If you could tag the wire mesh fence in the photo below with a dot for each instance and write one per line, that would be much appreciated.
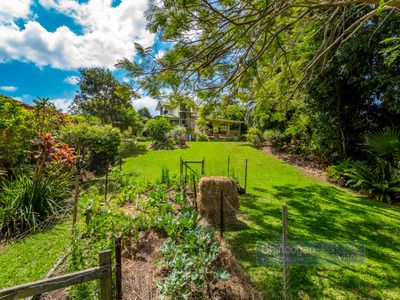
(53, 220)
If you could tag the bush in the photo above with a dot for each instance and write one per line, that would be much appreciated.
(275, 138)
(15, 135)
(379, 181)
(376, 179)
(337, 173)
(178, 131)
(255, 136)
(200, 130)
(380, 178)
(202, 137)
(29, 200)
(97, 145)
(158, 130)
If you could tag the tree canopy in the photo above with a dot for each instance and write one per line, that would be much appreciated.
(101, 95)
(220, 46)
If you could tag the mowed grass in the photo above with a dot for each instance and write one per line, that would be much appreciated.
(34, 256)
(318, 211)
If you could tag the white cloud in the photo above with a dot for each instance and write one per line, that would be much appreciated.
(148, 102)
(8, 88)
(62, 104)
(109, 34)
(72, 80)
(14, 9)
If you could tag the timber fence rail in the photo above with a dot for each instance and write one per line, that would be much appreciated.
(103, 272)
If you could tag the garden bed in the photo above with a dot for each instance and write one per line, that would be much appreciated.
(142, 271)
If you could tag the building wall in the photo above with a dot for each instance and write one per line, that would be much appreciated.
(174, 111)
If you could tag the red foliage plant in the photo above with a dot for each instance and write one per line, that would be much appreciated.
(182, 140)
(50, 150)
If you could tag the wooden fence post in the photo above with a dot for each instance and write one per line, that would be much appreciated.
(245, 178)
(181, 166)
(194, 193)
(106, 185)
(202, 166)
(286, 258)
(221, 225)
(118, 269)
(185, 174)
(103, 272)
(106, 282)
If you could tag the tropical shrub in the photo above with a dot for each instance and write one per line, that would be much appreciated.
(385, 144)
(178, 132)
(15, 135)
(379, 176)
(255, 136)
(336, 173)
(380, 180)
(158, 130)
(50, 151)
(96, 145)
(30, 199)
(275, 138)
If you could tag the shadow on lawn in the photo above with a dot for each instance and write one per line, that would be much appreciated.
(321, 213)
(138, 150)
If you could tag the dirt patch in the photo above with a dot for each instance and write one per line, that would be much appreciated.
(239, 285)
(55, 295)
(309, 168)
(140, 273)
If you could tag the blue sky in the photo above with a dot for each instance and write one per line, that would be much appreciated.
(43, 43)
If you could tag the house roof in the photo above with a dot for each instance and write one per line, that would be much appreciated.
(160, 104)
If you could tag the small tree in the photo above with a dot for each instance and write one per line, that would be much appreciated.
(96, 145)
(158, 130)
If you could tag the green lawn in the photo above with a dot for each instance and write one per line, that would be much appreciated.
(31, 258)
(317, 211)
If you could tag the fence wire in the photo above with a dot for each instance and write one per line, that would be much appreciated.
(46, 224)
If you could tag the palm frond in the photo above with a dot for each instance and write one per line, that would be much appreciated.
(384, 142)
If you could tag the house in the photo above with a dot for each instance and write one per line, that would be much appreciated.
(181, 115)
